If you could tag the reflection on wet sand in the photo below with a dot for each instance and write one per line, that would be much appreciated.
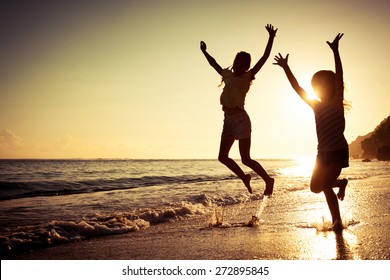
(346, 244)
(331, 245)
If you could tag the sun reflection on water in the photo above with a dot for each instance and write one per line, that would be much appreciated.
(303, 167)
(326, 244)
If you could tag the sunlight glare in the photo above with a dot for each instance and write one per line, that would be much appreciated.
(309, 91)
(311, 95)
(302, 168)
(331, 246)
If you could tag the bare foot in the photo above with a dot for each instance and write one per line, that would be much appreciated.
(342, 184)
(247, 182)
(269, 187)
(253, 222)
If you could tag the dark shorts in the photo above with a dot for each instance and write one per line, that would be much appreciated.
(236, 126)
(340, 156)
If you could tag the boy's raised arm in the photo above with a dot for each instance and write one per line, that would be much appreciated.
(209, 58)
(272, 33)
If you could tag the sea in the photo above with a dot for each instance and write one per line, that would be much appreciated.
(53, 202)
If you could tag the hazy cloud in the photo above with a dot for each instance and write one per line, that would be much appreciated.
(65, 141)
(9, 140)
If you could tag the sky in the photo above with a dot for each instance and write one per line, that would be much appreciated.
(127, 79)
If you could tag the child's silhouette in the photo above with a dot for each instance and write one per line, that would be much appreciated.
(237, 125)
(330, 124)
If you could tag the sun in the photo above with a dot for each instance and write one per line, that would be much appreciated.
(311, 95)
(309, 91)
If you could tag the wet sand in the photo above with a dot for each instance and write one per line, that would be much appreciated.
(280, 236)
(292, 228)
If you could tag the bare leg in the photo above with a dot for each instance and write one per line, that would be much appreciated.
(342, 185)
(324, 178)
(223, 157)
(318, 177)
(333, 172)
(245, 145)
(334, 208)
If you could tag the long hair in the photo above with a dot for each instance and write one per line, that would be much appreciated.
(245, 57)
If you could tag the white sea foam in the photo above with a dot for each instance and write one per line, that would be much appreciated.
(139, 194)
(60, 232)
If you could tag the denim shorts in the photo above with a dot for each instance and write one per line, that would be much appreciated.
(236, 126)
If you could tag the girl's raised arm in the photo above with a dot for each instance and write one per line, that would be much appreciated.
(209, 58)
(339, 83)
(283, 62)
(272, 33)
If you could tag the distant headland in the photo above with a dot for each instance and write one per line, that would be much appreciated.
(374, 145)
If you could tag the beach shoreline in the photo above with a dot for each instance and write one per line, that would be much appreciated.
(168, 216)
(194, 239)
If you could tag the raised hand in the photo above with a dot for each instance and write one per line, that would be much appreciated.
(335, 44)
(203, 46)
(282, 62)
(271, 30)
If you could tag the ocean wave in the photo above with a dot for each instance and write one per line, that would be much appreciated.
(22, 189)
(61, 232)
(223, 199)
(57, 232)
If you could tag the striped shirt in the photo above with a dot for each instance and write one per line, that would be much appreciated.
(330, 126)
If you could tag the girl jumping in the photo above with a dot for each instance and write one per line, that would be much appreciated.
(332, 147)
(237, 125)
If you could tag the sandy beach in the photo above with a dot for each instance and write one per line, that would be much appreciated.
(199, 215)
(289, 235)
